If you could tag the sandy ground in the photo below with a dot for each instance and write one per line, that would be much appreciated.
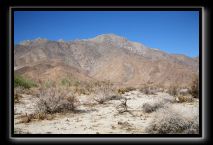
(100, 118)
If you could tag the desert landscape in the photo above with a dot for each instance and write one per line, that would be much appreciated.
(103, 85)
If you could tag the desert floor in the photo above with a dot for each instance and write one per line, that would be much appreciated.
(91, 118)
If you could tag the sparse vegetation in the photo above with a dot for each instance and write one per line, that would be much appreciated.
(173, 90)
(127, 89)
(17, 97)
(181, 99)
(168, 122)
(35, 116)
(17, 94)
(122, 107)
(66, 82)
(148, 90)
(103, 93)
(20, 81)
(194, 90)
(56, 100)
(149, 108)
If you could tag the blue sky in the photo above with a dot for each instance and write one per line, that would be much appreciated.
(171, 31)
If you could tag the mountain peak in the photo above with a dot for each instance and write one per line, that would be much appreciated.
(109, 37)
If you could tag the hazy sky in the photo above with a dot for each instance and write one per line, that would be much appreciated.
(171, 31)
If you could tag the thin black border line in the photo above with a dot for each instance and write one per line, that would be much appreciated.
(107, 135)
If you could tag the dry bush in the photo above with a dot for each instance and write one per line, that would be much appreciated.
(17, 94)
(80, 91)
(56, 100)
(121, 91)
(35, 116)
(122, 107)
(194, 127)
(26, 118)
(148, 108)
(194, 90)
(90, 87)
(148, 90)
(181, 99)
(168, 122)
(17, 98)
(173, 90)
(103, 93)
(124, 90)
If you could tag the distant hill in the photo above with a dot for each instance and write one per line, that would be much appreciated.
(105, 57)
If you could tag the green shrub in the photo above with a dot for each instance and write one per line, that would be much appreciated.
(65, 82)
(20, 81)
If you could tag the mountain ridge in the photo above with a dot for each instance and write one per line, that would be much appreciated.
(111, 57)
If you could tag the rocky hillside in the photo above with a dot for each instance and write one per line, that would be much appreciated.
(105, 57)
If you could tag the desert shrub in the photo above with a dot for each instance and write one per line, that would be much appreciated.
(26, 118)
(56, 100)
(148, 90)
(168, 122)
(35, 116)
(65, 82)
(128, 89)
(194, 90)
(173, 90)
(121, 91)
(122, 107)
(124, 90)
(17, 93)
(20, 81)
(148, 108)
(103, 93)
(194, 127)
(48, 84)
(79, 90)
(17, 98)
(89, 87)
(181, 99)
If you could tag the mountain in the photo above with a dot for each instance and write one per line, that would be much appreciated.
(107, 57)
